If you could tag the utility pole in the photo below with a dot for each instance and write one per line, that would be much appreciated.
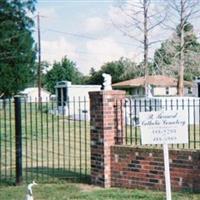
(39, 60)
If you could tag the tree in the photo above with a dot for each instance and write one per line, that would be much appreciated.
(17, 46)
(167, 57)
(64, 70)
(142, 18)
(44, 66)
(181, 12)
(120, 70)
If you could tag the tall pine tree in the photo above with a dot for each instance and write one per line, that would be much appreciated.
(17, 47)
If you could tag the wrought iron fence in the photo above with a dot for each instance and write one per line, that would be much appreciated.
(44, 141)
(132, 107)
(7, 141)
(50, 141)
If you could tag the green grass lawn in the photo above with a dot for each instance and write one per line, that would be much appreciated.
(86, 192)
(54, 146)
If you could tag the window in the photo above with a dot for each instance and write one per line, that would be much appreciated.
(59, 99)
(189, 90)
(167, 91)
(136, 91)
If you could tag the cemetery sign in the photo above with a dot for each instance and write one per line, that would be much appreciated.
(164, 127)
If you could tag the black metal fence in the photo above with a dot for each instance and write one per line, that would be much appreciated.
(44, 141)
(133, 106)
(50, 141)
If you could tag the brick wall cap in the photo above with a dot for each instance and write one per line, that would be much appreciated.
(107, 92)
(153, 149)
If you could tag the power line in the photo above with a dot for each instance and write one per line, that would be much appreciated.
(72, 34)
(69, 34)
(76, 1)
(85, 37)
(83, 52)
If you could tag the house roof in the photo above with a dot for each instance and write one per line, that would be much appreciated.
(155, 80)
(32, 89)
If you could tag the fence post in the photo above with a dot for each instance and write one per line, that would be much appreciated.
(18, 140)
(106, 123)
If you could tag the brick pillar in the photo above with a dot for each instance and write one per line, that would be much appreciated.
(107, 122)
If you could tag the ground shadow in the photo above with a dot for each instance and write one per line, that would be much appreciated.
(46, 174)
(7, 181)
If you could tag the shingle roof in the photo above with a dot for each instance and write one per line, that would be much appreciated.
(156, 80)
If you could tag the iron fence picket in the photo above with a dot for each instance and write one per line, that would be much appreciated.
(125, 112)
(199, 122)
(69, 133)
(10, 137)
(189, 123)
(177, 108)
(116, 122)
(37, 142)
(183, 146)
(85, 131)
(42, 137)
(135, 116)
(47, 142)
(140, 109)
(194, 125)
(74, 122)
(79, 109)
(130, 114)
(5, 137)
(18, 136)
(26, 139)
(52, 121)
(172, 108)
(63, 134)
(122, 121)
(0, 145)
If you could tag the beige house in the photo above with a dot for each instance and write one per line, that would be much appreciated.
(158, 85)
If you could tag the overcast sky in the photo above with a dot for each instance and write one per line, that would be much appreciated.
(83, 31)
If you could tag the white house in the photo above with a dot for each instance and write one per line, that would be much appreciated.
(162, 94)
(31, 94)
(158, 85)
(133, 106)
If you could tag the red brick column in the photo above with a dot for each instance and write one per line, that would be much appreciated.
(106, 115)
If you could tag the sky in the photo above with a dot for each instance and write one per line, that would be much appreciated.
(84, 32)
